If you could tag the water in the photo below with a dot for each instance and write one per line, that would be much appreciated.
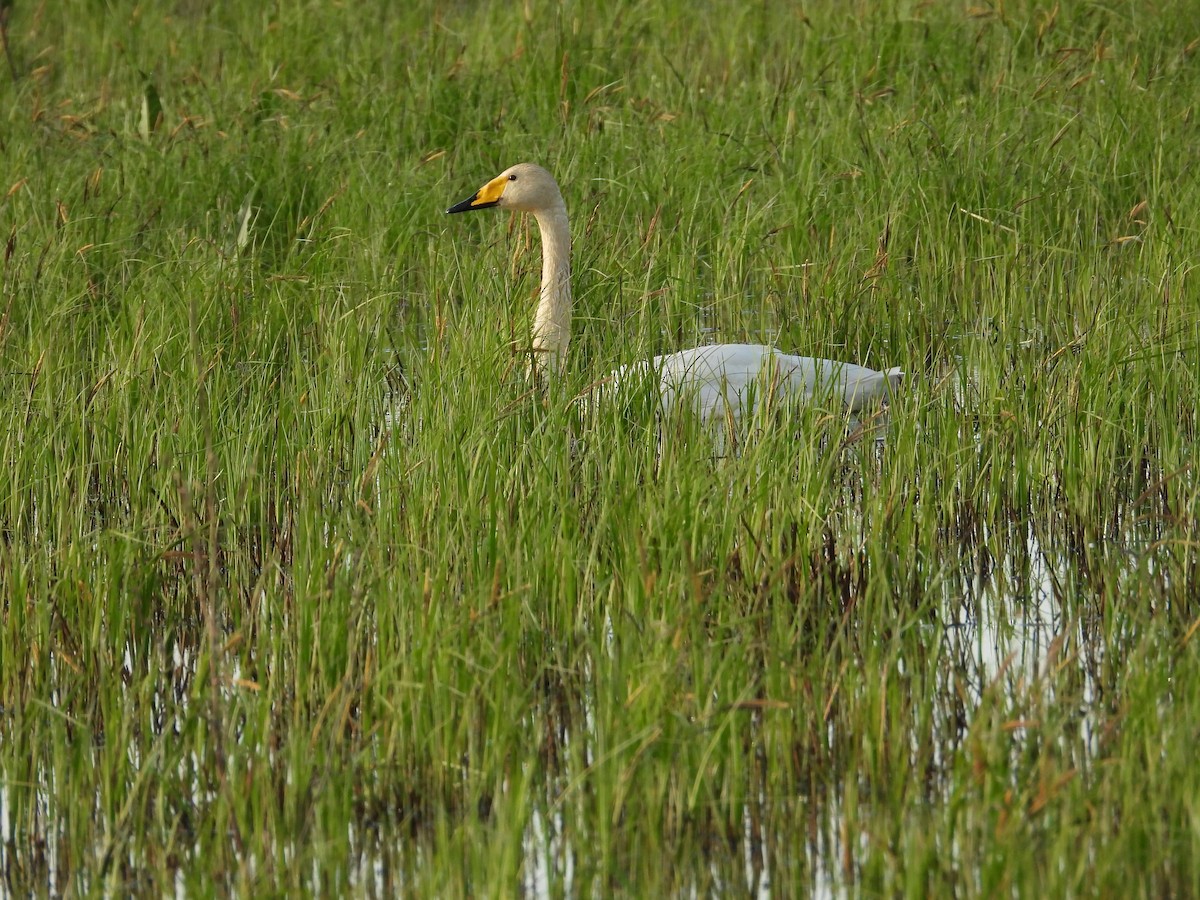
(1010, 627)
(1014, 623)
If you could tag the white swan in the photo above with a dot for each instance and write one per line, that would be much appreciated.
(715, 377)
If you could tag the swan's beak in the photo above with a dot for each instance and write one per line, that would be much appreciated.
(488, 195)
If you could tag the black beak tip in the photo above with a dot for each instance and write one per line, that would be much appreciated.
(464, 206)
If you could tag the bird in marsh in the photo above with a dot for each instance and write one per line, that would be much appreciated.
(718, 378)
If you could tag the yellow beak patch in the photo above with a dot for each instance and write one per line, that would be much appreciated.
(490, 192)
(488, 195)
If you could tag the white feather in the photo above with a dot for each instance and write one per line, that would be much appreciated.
(718, 379)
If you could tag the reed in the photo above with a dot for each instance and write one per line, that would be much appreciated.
(305, 591)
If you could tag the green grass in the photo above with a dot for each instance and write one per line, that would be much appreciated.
(306, 591)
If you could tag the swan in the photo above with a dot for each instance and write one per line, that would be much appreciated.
(717, 378)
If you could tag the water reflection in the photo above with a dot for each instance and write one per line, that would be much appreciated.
(1015, 628)
(1008, 619)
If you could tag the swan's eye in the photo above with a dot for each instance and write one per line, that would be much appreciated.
(512, 177)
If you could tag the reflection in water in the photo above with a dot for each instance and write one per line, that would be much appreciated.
(549, 860)
(1015, 627)
(1012, 630)
(1006, 640)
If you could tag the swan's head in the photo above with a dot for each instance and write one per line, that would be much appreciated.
(524, 187)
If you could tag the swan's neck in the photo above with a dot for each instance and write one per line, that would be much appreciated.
(552, 321)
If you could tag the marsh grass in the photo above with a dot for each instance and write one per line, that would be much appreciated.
(307, 591)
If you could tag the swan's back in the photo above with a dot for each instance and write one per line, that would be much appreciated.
(734, 376)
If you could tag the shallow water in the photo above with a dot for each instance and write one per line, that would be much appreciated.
(1015, 620)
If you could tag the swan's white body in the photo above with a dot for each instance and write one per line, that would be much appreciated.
(735, 377)
(715, 378)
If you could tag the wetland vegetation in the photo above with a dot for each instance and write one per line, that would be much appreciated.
(306, 591)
